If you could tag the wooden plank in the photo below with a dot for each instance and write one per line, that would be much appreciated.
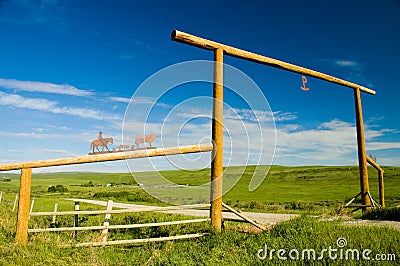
(353, 199)
(243, 217)
(150, 209)
(53, 221)
(362, 154)
(139, 241)
(118, 226)
(373, 202)
(15, 202)
(186, 38)
(23, 206)
(218, 139)
(32, 204)
(106, 224)
(76, 218)
(110, 157)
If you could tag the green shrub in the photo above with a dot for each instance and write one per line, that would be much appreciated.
(131, 196)
(391, 214)
(57, 188)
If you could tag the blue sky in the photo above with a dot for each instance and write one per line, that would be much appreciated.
(69, 68)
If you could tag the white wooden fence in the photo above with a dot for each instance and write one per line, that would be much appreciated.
(106, 225)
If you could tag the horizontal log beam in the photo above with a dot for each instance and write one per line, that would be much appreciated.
(375, 165)
(113, 156)
(211, 45)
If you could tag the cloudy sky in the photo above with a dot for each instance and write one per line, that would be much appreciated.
(68, 69)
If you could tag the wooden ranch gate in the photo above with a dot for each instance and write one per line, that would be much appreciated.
(221, 49)
(217, 135)
(103, 241)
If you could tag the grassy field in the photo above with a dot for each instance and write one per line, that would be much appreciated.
(306, 190)
(315, 189)
(233, 247)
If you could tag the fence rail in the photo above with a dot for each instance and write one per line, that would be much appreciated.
(106, 226)
(139, 241)
(118, 226)
(149, 209)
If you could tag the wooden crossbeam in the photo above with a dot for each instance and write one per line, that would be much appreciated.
(114, 156)
(187, 38)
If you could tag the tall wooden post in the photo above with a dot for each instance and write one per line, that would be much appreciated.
(381, 188)
(23, 206)
(217, 136)
(362, 153)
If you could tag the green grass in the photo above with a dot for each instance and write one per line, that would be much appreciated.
(317, 189)
(232, 247)
(286, 189)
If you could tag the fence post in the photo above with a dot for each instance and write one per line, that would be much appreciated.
(218, 139)
(1, 195)
(31, 209)
(106, 221)
(362, 154)
(23, 206)
(15, 202)
(53, 221)
(76, 219)
(381, 188)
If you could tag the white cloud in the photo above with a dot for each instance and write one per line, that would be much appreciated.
(375, 119)
(59, 152)
(35, 86)
(332, 142)
(346, 63)
(259, 116)
(371, 146)
(22, 102)
(389, 161)
(354, 70)
(41, 104)
(139, 100)
(120, 99)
